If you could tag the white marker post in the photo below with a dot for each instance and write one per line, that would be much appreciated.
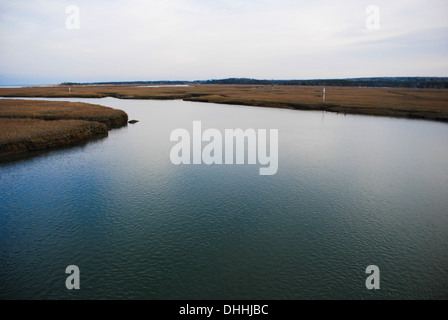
(69, 89)
(323, 97)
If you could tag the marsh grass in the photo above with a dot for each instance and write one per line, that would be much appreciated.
(61, 110)
(38, 125)
(395, 102)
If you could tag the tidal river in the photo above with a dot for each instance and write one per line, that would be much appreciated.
(349, 192)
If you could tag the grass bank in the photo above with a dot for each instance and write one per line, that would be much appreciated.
(430, 104)
(39, 125)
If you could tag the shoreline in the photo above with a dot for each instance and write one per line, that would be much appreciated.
(48, 122)
(339, 109)
(425, 104)
(33, 125)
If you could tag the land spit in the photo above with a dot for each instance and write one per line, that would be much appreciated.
(28, 125)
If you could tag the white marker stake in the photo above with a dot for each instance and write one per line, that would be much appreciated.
(324, 96)
(69, 89)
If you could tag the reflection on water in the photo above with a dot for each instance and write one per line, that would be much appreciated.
(350, 191)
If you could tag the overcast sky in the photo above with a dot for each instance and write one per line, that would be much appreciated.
(212, 39)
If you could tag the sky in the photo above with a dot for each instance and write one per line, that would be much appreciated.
(41, 41)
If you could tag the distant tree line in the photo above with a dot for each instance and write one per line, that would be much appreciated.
(398, 82)
(394, 82)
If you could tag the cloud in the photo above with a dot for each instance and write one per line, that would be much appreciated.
(198, 39)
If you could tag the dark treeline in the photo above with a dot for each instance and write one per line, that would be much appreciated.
(395, 82)
(399, 82)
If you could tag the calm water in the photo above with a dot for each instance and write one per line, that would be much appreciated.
(351, 191)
